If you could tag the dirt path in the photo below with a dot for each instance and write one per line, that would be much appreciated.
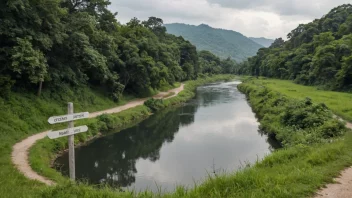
(343, 186)
(20, 151)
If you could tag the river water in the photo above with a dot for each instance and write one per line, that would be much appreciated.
(213, 133)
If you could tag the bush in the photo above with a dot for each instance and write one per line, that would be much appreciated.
(291, 121)
(155, 104)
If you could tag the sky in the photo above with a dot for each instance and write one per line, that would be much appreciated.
(255, 18)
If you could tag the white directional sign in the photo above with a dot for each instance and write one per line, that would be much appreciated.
(67, 132)
(67, 118)
(70, 132)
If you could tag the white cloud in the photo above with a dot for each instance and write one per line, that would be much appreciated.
(268, 18)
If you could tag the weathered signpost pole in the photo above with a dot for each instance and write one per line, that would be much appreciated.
(70, 132)
(71, 144)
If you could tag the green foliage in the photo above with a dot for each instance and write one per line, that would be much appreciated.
(28, 62)
(291, 121)
(58, 43)
(223, 43)
(338, 102)
(317, 53)
(5, 86)
(211, 64)
(154, 104)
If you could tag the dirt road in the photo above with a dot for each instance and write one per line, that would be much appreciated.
(343, 186)
(21, 149)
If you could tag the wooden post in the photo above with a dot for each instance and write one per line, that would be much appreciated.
(71, 145)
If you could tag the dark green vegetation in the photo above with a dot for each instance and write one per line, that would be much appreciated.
(317, 53)
(223, 43)
(289, 120)
(294, 171)
(262, 41)
(58, 44)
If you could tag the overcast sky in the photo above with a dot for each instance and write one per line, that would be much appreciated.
(257, 18)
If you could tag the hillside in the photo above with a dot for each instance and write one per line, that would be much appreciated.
(262, 41)
(223, 43)
(318, 53)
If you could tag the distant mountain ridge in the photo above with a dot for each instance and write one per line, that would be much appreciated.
(262, 41)
(223, 43)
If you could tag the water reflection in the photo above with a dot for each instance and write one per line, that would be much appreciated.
(214, 131)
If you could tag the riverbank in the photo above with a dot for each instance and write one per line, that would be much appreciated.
(20, 150)
(18, 124)
(294, 171)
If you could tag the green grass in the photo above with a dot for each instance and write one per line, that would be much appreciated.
(291, 121)
(340, 103)
(296, 171)
(24, 114)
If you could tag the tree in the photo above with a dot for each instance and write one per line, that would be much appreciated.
(156, 25)
(279, 42)
(29, 63)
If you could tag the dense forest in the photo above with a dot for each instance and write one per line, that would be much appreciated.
(317, 53)
(59, 44)
(223, 43)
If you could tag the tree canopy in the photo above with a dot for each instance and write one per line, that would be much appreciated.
(317, 53)
(67, 43)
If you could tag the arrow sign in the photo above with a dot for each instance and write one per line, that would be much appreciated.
(67, 118)
(67, 132)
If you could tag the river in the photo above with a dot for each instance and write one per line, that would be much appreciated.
(213, 133)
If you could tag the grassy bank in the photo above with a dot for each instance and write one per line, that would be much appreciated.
(340, 103)
(291, 121)
(297, 170)
(23, 114)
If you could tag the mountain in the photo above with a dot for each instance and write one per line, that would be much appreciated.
(262, 41)
(223, 43)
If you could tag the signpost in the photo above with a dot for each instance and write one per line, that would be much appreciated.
(70, 132)
(67, 118)
(67, 132)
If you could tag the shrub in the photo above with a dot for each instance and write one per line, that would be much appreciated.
(291, 121)
(154, 104)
